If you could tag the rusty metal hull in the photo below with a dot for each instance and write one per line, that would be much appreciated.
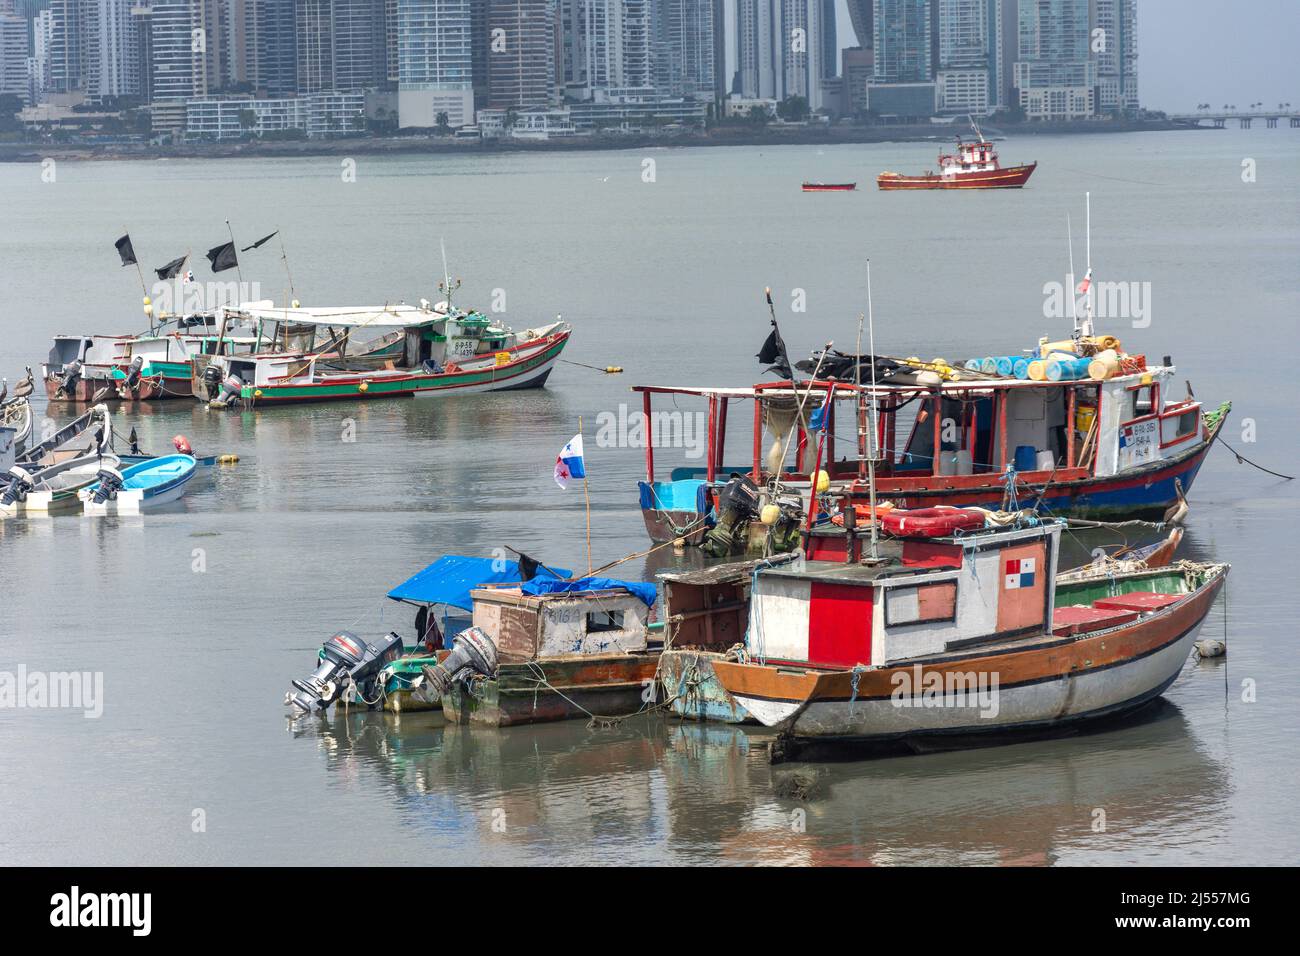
(694, 690)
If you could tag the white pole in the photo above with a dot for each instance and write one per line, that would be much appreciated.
(875, 422)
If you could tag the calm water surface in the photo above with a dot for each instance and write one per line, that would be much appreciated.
(665, 279)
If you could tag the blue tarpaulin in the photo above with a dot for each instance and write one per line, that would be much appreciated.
(540, 585)
(450, 579)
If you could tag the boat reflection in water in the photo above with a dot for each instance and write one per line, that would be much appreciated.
(658, 791)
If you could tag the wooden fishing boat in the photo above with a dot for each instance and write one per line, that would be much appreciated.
(1110, 449)
(974, 165)
(140, 487)
(442, 351)
(829, 187)
(51, 490)
(579, 652)
(952, 635)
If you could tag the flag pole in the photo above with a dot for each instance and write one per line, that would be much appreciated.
(144, 290)
(586, 496)
(234, 252)
(284, 257)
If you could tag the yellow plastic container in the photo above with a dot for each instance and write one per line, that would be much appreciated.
(1084, 416)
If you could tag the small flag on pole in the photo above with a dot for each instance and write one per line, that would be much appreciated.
(569, 464)
(1087, 281)
(171, 270)
(125, 250)
(817, 421)
(260, 241)
(223, 257)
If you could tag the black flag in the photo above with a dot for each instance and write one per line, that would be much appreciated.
(527, 566)
(171, 270)
(223, 257)
(773, 354)
(260, 241)
(125, 250)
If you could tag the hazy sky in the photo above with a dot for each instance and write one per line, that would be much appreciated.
(1199, 51)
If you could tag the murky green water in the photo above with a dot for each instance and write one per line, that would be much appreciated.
(197, 618)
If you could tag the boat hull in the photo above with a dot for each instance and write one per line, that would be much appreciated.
(530, 370)
(136, 500)
(693, 691)
(1012, 177)
(1057, 684)
(550, 689)
(173, 382)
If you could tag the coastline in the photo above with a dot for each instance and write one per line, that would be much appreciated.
(416, 145)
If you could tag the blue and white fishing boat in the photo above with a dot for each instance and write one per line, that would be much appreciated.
(145, 486)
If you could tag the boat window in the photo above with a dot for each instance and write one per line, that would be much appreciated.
(1144, 398)
(604, 621)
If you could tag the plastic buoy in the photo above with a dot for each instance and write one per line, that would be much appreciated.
(770, 514)
(823, 482)
(363, 386)
(227, 459)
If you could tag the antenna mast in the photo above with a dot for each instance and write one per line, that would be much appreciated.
(875, 423)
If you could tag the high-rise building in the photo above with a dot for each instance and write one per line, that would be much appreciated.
(521, 53)
(830, 50)
(14, 80)
(756, 49)
(971, 56)
(1114, 42)
(314, 22)
(111, 49)
(66, 63)
(272, 47)
(360, 44)
(434, 63)
(1056, 75)
(617, 47)
(779, 50)
(179, 66)
(860, 15)
(800, 49)
(685, 47)
(901, 41)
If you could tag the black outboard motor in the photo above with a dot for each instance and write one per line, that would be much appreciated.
(212, 381)
(345, 659)
(134, 372)
(20, 483)
(737, 506)
(71, 374)
(110, 483)
(471, 649)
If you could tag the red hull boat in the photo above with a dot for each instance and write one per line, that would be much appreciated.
(973, 166)
(829, 187)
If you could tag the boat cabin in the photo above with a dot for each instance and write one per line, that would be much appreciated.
(979, 156)
(526, 627)
(925, 595)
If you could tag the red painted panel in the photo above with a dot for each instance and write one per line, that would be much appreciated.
(1138, 601)
(839, 624)
(1078, 619)
(927, 554)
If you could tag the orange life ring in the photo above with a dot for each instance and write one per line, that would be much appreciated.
(930, 522)
(863, 513)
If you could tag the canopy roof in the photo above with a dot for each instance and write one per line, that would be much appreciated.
(450, 579)
(355, 317)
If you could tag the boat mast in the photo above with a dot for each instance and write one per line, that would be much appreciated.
(875, 423)
(1087, 206)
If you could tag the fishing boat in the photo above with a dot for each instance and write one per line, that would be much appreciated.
(16, 415)
(441, 595)
(139, 487)
(974, 165)
(47, 476)
(137, 368)
(550, 649)
(955, 629)
(443, 350)
(829, 187)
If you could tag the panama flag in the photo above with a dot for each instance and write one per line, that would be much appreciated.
(1087, 281)
(569, 463)
(1019, 573)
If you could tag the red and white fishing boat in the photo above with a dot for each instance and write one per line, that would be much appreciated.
(829, 187)
(974, 166)
(956, 627)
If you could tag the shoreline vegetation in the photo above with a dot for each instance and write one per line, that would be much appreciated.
(791, 135)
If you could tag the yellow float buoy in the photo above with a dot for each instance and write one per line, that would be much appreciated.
(823, 482)
(363, 386)
(770, 514)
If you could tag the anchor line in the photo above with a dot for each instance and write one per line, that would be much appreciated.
(1243, 460)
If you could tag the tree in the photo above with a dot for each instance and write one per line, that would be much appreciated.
(443, 122)
(793, 109)
(758, 115)
(247, 120)
(10, 105)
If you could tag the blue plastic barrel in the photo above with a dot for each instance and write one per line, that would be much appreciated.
(1026, 457)
(1020, 369)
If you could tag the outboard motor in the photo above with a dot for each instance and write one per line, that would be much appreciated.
(110, 483)
(471, 649)
(345, 660)
(71, 375)
(134, 372)
(20, 483)
(212, 381)
(229, 389)
(737, 506)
